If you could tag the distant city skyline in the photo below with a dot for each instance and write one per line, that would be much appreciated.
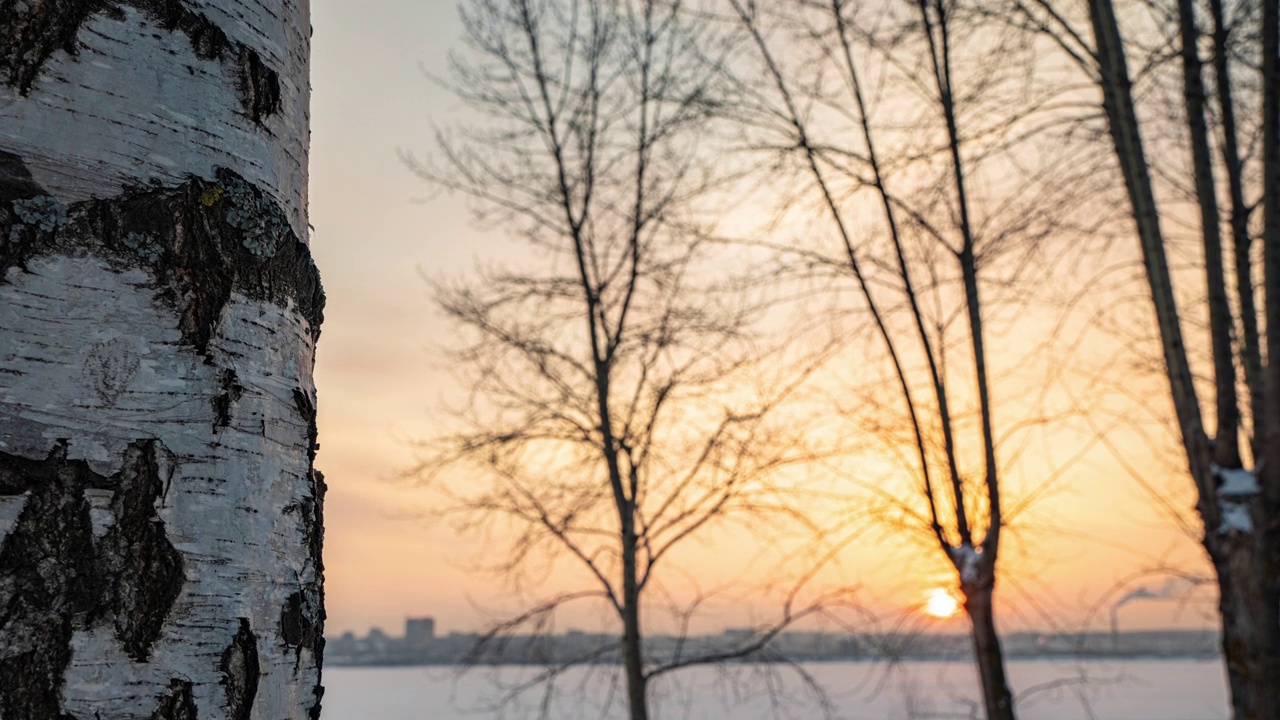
(419, 645)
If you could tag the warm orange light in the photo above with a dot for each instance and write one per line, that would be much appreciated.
(941, 603)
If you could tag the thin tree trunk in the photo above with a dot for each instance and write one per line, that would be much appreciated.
(160, 519)
(1226, 445)
(632, 649)
(977, 571)
(987, 654)
(1268, 464)
(1241, 240)
(1269, 415)
(629, 609)
(1117, 102)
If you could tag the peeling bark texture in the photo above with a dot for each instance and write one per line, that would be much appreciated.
(160, 516)
(98, 96)
(36, 30)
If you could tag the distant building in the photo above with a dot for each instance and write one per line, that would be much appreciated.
(375, 642)
(419, 633)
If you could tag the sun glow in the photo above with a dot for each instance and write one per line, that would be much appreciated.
(941, 603)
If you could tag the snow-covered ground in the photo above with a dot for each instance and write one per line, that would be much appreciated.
(1049, 690)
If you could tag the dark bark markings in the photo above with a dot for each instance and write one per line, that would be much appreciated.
(48, 575)
(56, 577)
(147, 569)
(240, 672)
(179, 704)
(300, 622)
(225, 401)
(311, 511)
(302, 617)
(16, 182)
(36, 30)
(202, 239)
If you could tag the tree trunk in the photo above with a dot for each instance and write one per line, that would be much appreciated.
(1250, 624)
(1241, 241)
(1265, 552)
(1226, 445)
(1117, 102)
(632, 651)
(160, 519)
(987, 654)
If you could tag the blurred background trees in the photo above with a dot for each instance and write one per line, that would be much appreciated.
(622, 401)
(1210, 173)
(931, 169)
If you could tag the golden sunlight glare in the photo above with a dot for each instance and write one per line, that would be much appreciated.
(941, 603)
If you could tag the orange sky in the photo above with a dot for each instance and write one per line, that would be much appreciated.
(380, 376)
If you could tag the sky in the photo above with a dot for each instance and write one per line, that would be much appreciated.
(381, 378)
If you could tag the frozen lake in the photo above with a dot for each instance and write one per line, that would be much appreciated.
(1048, 690)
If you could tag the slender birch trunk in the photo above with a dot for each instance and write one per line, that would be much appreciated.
(160, 519)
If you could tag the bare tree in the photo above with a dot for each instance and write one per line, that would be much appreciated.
(620, 403)
(950, 121)
(1238, 506)
(160, 518)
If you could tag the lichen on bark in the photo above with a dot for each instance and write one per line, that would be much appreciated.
(202, 239)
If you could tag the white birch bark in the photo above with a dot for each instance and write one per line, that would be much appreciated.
(160, 519)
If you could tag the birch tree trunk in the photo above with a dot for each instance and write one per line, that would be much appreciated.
(160, 520)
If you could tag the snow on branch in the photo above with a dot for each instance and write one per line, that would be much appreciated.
(1236, 482)
(967, 560)
(1235, 487)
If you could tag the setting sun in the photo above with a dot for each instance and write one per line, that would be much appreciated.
(941, 603)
